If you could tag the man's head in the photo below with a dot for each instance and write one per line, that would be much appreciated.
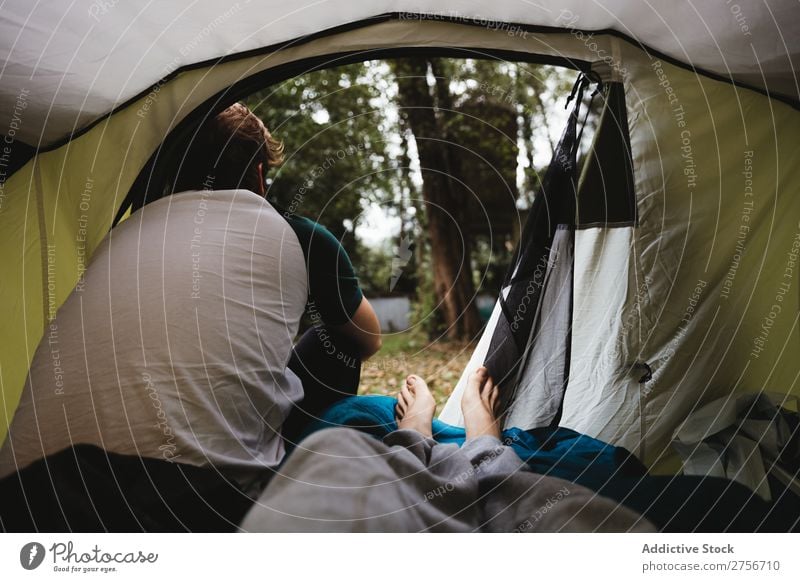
(232, 150)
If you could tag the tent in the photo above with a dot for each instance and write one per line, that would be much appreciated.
(682, 272)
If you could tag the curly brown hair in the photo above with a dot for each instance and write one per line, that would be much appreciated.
(225, 152)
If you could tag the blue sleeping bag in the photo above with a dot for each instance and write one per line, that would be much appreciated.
(557, 452)
(673, 503)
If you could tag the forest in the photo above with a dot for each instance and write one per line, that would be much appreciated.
(424, 169)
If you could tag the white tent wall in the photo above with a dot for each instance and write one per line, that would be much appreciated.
(684, 235)
(603, 395)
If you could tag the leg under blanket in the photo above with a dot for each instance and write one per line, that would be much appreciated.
(341, 479)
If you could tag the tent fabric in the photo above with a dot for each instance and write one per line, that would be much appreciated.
(744, 439)
(690, 289)
(698, 288)
(531, 333)
(79, 60)
(606, 195)
(714, 252)
(528, 277)
(539, 394)
(604, 396)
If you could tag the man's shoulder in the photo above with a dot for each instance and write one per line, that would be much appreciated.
(312, 234)
(233, 200)
(239, 194)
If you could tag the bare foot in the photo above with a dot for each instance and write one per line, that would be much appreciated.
(415, 406)
(479, 405)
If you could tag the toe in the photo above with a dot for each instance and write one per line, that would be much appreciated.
(475, 381)
(487, 387)
(416, 383)
(494, 398)
(480, 375)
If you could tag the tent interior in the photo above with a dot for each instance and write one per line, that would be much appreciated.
(660, 280)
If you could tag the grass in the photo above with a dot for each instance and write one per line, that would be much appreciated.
(439, 362)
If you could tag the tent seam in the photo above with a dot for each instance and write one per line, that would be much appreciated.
(43, 238)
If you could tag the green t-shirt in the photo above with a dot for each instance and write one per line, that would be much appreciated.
(333, 288)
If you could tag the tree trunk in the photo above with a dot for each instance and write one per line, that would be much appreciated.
(451, 247)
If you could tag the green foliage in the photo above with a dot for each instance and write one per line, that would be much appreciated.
(490, 265)
(347, 149)
(334, 132)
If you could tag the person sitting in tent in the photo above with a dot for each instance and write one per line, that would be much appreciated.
(179, 342)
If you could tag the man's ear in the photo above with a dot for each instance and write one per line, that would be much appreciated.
(262, 189)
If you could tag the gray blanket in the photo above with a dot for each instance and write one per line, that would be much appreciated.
(341, 480)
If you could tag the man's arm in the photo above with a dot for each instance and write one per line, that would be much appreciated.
(363, 328)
